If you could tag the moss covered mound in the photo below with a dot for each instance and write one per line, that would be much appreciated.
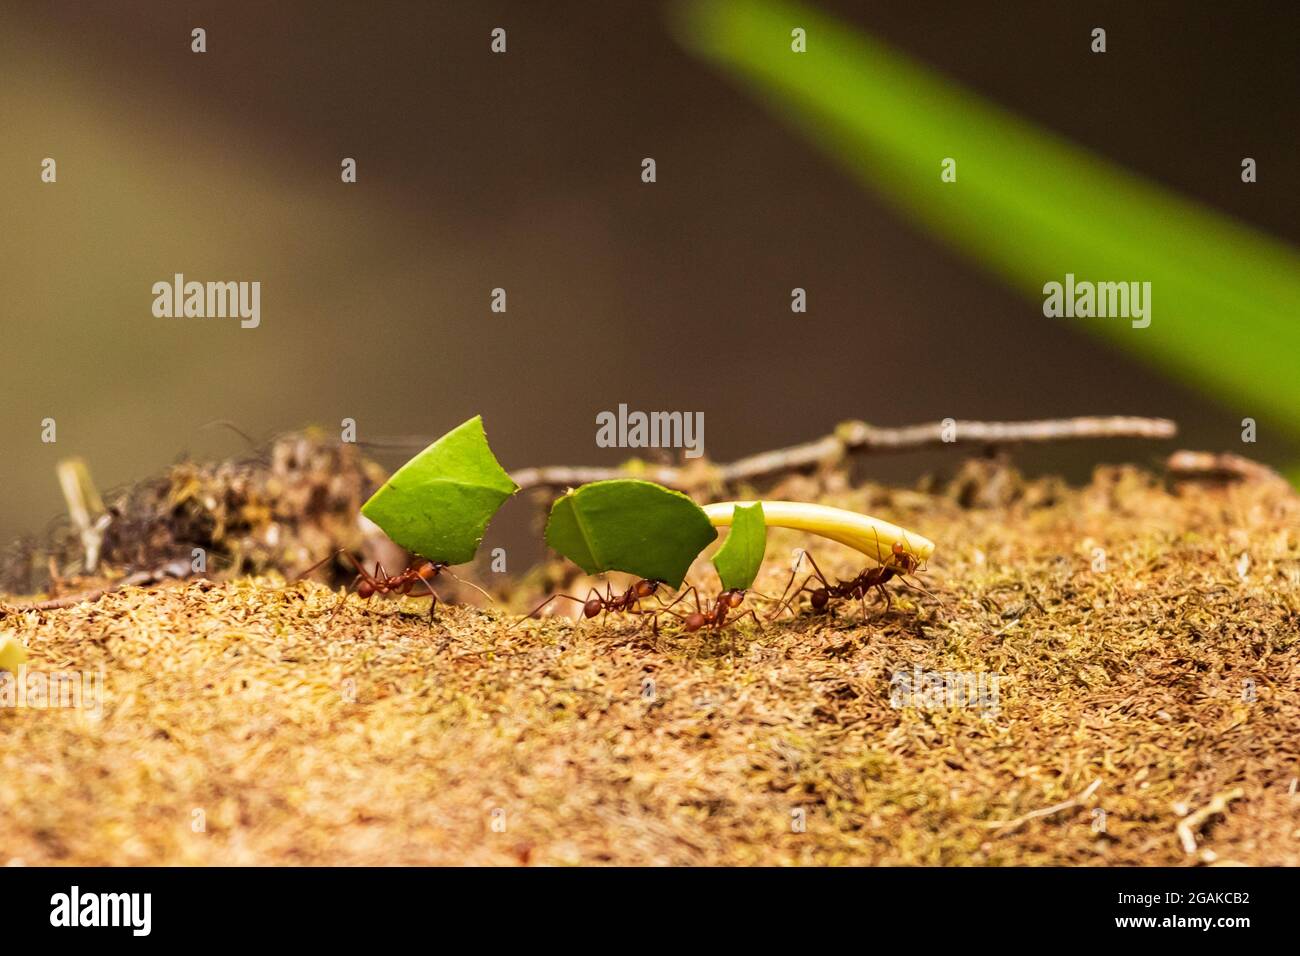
(1144, 642)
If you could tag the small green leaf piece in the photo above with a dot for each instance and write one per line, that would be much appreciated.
(741, 555)
(439, 503)
(630, 525)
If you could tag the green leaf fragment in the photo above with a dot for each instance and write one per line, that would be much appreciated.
(629, 525)
(741, 555)
(439, 503)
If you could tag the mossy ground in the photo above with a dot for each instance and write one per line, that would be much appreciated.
(1139, 692)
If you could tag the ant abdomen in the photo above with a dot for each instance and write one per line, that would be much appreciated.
(365, 589)
(820, 598)
(694, 621)
(592, 607)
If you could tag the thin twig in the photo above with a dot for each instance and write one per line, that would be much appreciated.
(862, 438)
(1004, 827)
(177, 569)
(1189, 825)
(1212, 467)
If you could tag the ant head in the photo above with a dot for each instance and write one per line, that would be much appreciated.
(820, 598)
(592, 607)
(904, 558)
(365, 589)
(428, 571)
(694, 621)
(645, 589)
(735, 597)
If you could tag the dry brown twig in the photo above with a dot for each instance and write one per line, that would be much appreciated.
(1223, 467)
(1189, 825)
(1007, 826)
(861, 438)
(177, 569)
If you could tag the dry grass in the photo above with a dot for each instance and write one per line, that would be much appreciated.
(374, 738)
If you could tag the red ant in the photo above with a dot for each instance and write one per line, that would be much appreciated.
(381, 582)
(714, 614)
(902, 563)
(626, 603)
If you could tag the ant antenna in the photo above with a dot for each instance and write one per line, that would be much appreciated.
(225, 423)
(471, 584)
(918, 587)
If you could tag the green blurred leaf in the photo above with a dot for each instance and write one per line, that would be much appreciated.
(1028, 204)
(629, 525)
(741, 555)
(439, 503)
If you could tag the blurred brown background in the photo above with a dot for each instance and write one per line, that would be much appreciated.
(523, 171)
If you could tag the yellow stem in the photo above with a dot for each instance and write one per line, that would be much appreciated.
(872, 536)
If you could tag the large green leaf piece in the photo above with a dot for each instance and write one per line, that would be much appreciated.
(741, 555)
(629, 525)
(439, 503)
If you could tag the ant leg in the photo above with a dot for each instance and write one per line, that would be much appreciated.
(690, 589)
(653, 615)
(553, 597)
(433, 605)
(344, 599)
(795, 570)
(365, 575)
(888, 603)
(818, 571)
(790, 603)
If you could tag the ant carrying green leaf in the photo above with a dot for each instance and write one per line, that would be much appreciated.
(628, 525)
(437, 506)
(737, 562)
(367, 584)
